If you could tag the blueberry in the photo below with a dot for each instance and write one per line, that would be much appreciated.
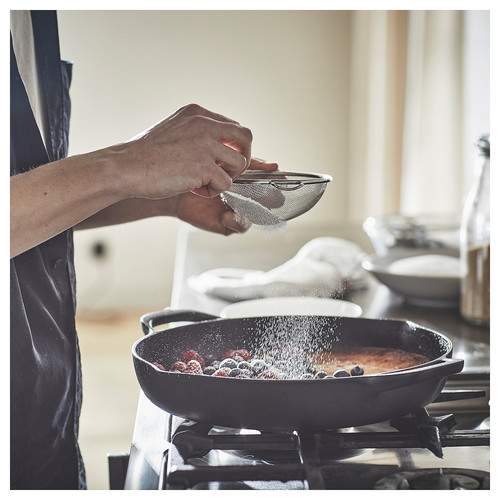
(228, 363)
(321, 375)
(234, 372)
(357, 370)
(341, 373)
(246, 373)
(237, 358)
(215, 364)
(244, 365)
(209, 370)
(258, 366)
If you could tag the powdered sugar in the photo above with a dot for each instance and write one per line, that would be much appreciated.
(290, 342)
(250, 212)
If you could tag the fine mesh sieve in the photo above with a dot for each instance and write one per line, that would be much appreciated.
(270, 198)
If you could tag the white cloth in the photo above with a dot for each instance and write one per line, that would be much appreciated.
(324, 267)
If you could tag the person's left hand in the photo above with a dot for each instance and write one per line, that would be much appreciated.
(212, 214)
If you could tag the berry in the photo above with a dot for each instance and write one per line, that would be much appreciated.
(258, 366)
(357, 370)
(244, 365)
(237, 358)
(179, 366)
(244, 354)
(228, 363)
(306, 375)
(237, 352)
(215, 364)
(341, 373)
(189, 355)
(234, 372)
(269, 374)
(160, 366)
(247, 373)
(321, 375)
(209, 370)
(222, 372)
(194, 367)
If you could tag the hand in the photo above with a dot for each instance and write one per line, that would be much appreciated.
(192, 150)
(210, 214)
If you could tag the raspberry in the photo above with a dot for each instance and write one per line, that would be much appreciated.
(179, 366)
(222, 372)
(194, 367)
(160, 366)
(237, 352)
(189, 355)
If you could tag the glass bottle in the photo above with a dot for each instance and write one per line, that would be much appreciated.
(475, 242)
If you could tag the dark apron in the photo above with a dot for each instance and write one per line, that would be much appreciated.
(45, 377)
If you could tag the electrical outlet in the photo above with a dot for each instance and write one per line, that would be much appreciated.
(99, 250)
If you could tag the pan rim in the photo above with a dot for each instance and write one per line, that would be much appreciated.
(411, 324)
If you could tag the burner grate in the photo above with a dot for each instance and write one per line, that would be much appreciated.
(311, 458)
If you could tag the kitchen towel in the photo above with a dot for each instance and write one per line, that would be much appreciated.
(323, 267)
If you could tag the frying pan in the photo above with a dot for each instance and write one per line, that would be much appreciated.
(291, 404)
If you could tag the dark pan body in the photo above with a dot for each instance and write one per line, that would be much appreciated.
(284, 405)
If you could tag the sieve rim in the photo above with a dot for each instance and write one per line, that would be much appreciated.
(274, 177)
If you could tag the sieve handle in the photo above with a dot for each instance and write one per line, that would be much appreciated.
(289, 186)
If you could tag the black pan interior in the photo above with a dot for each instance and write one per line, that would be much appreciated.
(307, 333)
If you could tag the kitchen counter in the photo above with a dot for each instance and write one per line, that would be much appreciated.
(199, 251)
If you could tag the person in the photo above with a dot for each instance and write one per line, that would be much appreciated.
(178, 167)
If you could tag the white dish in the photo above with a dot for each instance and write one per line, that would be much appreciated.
(426, 290)
(290, 306)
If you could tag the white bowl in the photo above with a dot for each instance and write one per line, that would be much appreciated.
(433, 290)
(291, 306)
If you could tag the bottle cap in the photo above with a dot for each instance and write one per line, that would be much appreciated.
(483, 144)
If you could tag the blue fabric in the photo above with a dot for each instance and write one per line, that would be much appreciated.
(45, 379)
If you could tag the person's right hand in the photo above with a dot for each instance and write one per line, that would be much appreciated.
(191, 150)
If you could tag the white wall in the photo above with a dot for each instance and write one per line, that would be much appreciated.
(284, 74)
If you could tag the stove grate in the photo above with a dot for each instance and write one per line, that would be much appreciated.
(308, 458)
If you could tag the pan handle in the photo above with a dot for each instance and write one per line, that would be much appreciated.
(150, 320)
(439, 369)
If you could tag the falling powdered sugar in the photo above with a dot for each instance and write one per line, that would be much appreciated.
(288, 343)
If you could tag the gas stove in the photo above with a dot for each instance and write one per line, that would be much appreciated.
(423, 450)
(443, 446)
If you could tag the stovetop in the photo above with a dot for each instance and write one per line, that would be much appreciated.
(428, 449)
(417, 451)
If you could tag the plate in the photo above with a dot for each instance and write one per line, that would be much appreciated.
(441, 289)
(291, 306)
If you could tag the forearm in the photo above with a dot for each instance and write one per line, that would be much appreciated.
(130, 210)
(54, 197)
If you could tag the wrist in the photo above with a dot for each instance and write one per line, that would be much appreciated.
(117, 169)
